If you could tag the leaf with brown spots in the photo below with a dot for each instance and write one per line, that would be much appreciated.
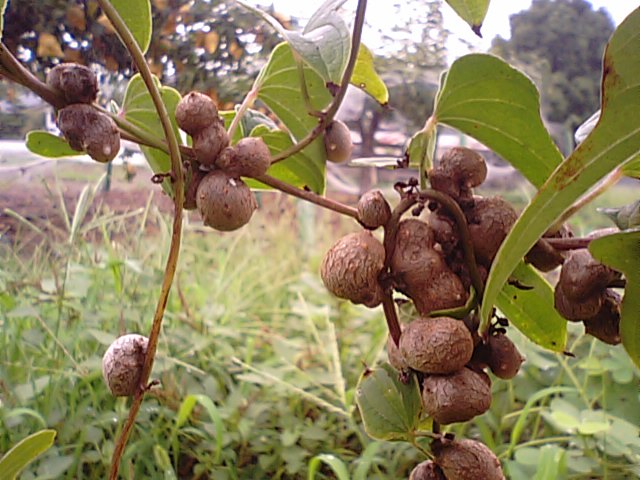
(613, 143)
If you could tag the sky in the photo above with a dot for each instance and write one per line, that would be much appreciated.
(380, 14)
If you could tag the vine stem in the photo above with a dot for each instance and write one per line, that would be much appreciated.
(608, 182)
(18, 73)
(327, 116)
(244, 106)
(308, 196)
(174, 249)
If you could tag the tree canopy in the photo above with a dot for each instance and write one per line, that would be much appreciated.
(211, 45)
(560, 43)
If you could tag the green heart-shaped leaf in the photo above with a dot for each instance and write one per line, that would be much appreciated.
(486, 98)
(390, 409)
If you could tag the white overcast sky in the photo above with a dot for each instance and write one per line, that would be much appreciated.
(380, 13)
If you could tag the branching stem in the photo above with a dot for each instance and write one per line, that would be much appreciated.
(174, 249)
(328, 115)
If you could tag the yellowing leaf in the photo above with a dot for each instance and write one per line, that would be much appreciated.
(211, 42)
(75, 18)
(366, 78)
(48, 46)
(236, 50)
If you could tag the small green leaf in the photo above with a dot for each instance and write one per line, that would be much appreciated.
(24, 452)
(298, 170)
(48, 145)
(551, 463)
(279, 88)
(632, 169)
(337, 466)
(138, 108)
(422, 148)
(471, 11)
(624, 217)
(366, 78)
(390, 409)
(137, 16)
(324, 43)
(531, 311)
(614, 141)
(621, 251)
(486, 98)
(186, 408)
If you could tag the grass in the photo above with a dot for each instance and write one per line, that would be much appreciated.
(258, 363)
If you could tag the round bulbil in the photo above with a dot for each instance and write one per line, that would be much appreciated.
(337, 142)
(350, 269)
(457, 397)
(490, 220)
(122, 364)
(503, 358)
(88, 130)
(195, 112)
(582, 277)
(427, 470)
(373, 210)
(467, 460)
(209, 142)
(77, 83)
(440, 345)
(250, 158)
(458, 171)
(224, 202)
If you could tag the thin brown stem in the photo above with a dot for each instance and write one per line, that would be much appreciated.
(27, 79)
(328, 115)
(390, 314)
(174, 249)
(309, 196)
(568, 243)
(463, 230)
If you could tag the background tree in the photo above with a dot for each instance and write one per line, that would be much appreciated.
(211, 45)
(560, 44)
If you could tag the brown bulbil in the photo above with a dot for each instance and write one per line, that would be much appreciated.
(337, 142)
(543, 256)
(195, 112)
(373, 210)
(457, 397)
(395, 358)
(438, 345)
(209, 142)
(427, 470)
(582, 276)
(445, 231)
(250, 157)
(122, 364)
(490, 220)
(225, 203)
(351, 267)
(503, 359)
(88, 130)
(576, 310)
(605, 326)
(421, 273)
(467, 460)
(77, 83)
(192, 181)
(459, 170)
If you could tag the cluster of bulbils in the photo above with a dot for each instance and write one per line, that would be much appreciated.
(427, 265)
(85, 128)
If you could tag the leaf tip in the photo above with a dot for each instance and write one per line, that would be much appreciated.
(476, 29)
